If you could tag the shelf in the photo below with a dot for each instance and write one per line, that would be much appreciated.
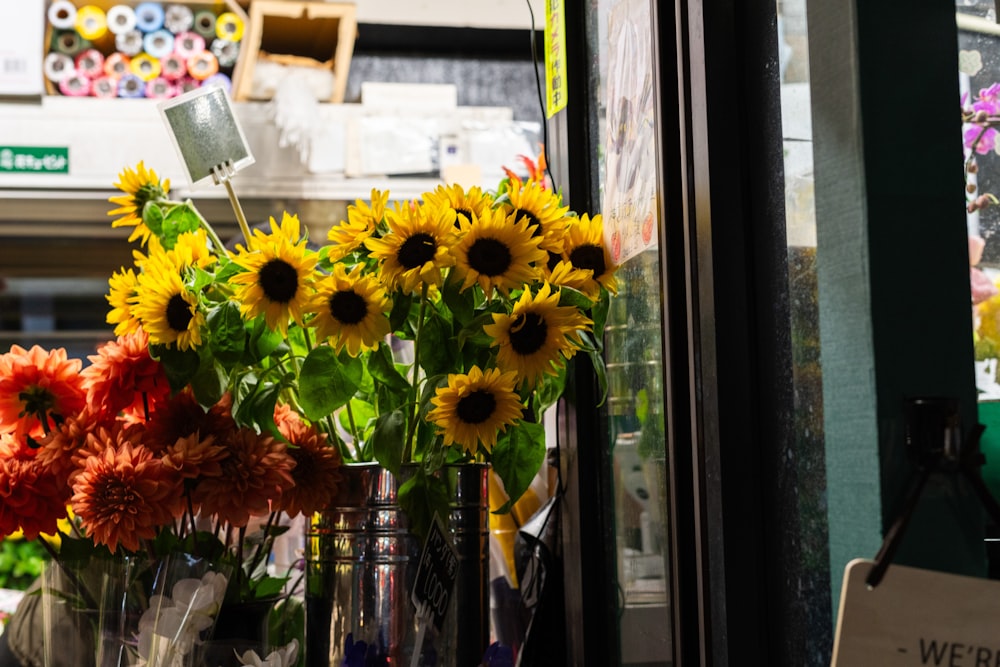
(104, 136)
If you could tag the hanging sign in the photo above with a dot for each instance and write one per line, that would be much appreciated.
(916, 617)
(34, 159)
(436, 573)
(22, 35)
(555, 57)
(206, 133)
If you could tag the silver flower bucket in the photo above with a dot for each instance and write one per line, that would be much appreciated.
(361, 563)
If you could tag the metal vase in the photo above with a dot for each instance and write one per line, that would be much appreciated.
(361, 562)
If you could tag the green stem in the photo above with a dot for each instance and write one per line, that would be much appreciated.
(267, 540)
(412, 426)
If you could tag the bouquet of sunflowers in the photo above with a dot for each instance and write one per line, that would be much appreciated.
(240, 381)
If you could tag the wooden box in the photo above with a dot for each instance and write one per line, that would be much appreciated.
(309, 34)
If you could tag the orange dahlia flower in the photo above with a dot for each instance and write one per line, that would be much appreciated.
(38, 389)
(125, 495)
(181, 417)
(123, 378)
(254, 474)
(32, 499)
(317, 465)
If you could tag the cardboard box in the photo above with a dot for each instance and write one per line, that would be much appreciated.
(106, 45)
(317, 35)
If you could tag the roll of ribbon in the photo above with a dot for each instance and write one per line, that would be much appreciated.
(75, 85)
(62, 15)
(226, 52)
(58, 66)
(104, 86)
(204, 24)
(149, 16)
(173, 67)
(131, 86)
(158, 43)
(90, 63)
(121, 18)
(159, 88)
(129, 43)
(145, 67)
(202, 65)
(187, 84)
(69, 42)
(229, 26)
(188, 44)
(117, 65)
(91, 22)
(178, 18)
(219, 79)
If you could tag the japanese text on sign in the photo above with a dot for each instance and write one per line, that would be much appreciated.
(34, 159)
(555, 57)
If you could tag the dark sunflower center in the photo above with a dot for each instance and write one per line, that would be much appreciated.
(477, 407)
(178, 313)
(348, 307)
(528, 333)
(554, 258)
(533, 221)
(589, 257)
(460, 212)
(417, 250)
(489, 257)
(279, 280)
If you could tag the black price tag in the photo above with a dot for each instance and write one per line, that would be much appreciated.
(436, 573)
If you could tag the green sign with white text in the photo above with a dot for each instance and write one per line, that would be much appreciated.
(34, 159)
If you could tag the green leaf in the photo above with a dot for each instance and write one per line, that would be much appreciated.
(599, 313)
(597, 361)
(228, 338)
(179, 365)
(517, 458)
(420, 497)
(383, 370)
(401, 305)
(549, 390)
(152, 217)
(437, 352)
(209, 383)
(572, 297)
(326, 382)
(268, 587)
(387, 440)
(461, 304)
(179, 219)
(263, 340)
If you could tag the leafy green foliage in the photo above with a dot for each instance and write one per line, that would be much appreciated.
(517, 458)
(21, 563)
(327, 382)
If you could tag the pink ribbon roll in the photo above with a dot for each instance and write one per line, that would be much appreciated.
(90, 63)
(160, 89)
(104, 86)
(173, 67)
(188, 44)
(75, 85)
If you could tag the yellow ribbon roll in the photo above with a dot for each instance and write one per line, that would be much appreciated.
(145, 66)
(91, 22)
(229, 26)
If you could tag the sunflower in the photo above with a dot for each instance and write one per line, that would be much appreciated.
(351, 310)
(140, 186)
(362, 220)
(277, 281)
(167, 309)
(584, 249)
(497, 252)
(475, 406)
(546, 218)
(468, 204)
(38, 390)
(537, 336)
(120, 298)
(416, 249)
(124, 496)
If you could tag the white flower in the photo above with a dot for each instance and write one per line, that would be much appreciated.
(282, 657)
(171, 626)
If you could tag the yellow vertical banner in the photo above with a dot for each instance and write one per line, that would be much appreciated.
(555, 57)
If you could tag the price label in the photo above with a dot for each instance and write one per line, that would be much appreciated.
(436, 573)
